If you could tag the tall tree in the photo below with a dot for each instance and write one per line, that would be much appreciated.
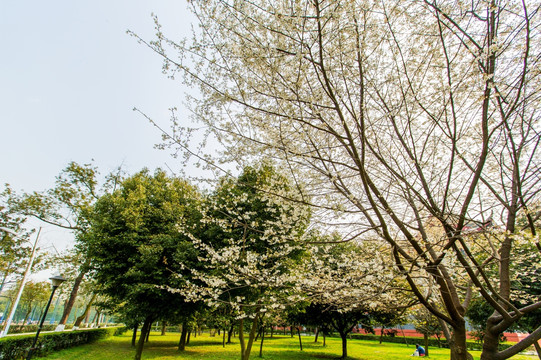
(68, 205)
(396, 116)
(137, 249)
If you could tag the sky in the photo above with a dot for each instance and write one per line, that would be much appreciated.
(70, 77)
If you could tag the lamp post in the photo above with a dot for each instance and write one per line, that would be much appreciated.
(56, 281)
(21, 287)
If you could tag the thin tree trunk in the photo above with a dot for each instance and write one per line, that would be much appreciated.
(300, 339)
(73, 295)
(223, 338)
(426, 344)
(188, 338)
(30, 308)
(316, 335)
(324, 340)
(134, 336)
(87, 319)
(230, 333)
(98, 315)
(246, 348)
(148, 332)
(404, 335)
(183, 334)
(381, 335)
(261, 346)
(344, 338)
(141, 343)
(79, 320)
(538, 349)
(164, 328)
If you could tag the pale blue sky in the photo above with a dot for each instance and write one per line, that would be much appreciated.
(69, 79)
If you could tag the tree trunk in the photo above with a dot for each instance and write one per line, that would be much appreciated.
(457, 344)
(188, 338)
(491, 341)
(404, 335)
(80, 319)
(538, 349)
(30, 308)
(141, 343)
(134, 336)
(73, 295)
(183, 334)
(344, 338)
(426, 344)
(324, 340)
(164, 328)
(261, 346)
(230, 333)
(317, 335)
(246, 347)
(381, 335)
(223, 338)
(300, 340)
(148, 333)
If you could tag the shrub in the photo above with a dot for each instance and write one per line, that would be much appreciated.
(16, 347)
(19, 329)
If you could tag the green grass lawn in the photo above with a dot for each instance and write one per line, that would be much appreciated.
(277, 348)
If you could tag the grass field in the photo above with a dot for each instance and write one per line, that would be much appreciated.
(277, 348)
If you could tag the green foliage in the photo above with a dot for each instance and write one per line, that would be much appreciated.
(14, 249)
(16, 347)
(137, 248)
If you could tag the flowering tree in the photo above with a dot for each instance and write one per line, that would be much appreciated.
(348, 284)
(395, 115)
(250, 244)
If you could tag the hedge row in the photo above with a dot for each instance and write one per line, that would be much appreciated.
(471, 345)
(19, 329)
(16, 347)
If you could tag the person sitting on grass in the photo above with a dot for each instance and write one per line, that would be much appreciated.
(420, 350)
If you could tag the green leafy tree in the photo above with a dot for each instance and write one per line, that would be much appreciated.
(14, 249)
(34, 296)
(68, 205)
(137, 249)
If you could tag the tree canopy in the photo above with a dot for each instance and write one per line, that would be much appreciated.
(400, 118)
(137, 249)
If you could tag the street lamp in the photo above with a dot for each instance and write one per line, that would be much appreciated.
(55, 281)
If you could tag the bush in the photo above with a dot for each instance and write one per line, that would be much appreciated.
(16, 347)
(19, 329)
